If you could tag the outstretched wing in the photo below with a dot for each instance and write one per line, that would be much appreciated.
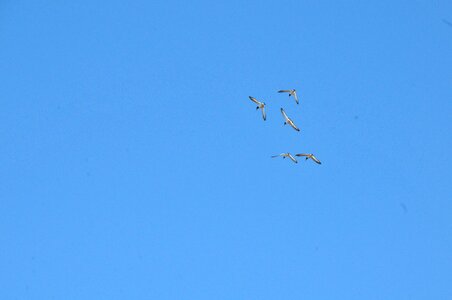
(295, 96)
(264, 115)
(292, 158)
(284, 114)
(291, 123)
(315, 159)
(254, 100)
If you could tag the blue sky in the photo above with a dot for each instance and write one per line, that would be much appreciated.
(134, 166)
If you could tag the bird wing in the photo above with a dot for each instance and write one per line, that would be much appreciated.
(284, 114)
(264, 115)
(291, 123)
(295, 96)
(315, 159)
(292, 158)
(254, 100)
(284, 91)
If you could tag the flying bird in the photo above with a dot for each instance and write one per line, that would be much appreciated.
(311, 156)
(260, 105)
(288, 120)
(292, 92)
(284, 155)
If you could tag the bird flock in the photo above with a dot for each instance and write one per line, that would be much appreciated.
(287, 120)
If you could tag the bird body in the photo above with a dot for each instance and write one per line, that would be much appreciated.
(311, 156)
(292, 92)
(284, 155)
(260, 105)
(289, 120)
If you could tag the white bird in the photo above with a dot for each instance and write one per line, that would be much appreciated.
(288, 120)
(311, 156)
(292, 92)
(284, 155)
(260, 105)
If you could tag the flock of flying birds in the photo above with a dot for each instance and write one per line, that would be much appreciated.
(287, 120)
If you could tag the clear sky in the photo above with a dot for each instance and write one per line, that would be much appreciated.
(134, 166)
